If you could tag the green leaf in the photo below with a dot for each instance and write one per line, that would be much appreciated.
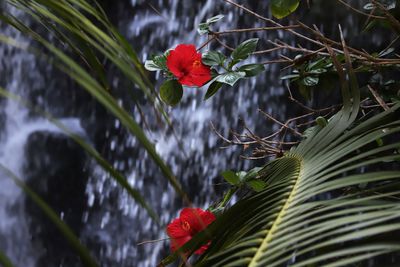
(290, 76)
(213, 58)
(203, 28)
(282, 8)
(231, 177)
(214, 19)
(251, 69)
(310, 81)
(151, 66)
(257, 185)
(171, 92)
(230, 77)
(244, 49)
(212, 89)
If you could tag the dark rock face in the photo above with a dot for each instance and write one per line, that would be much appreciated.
(55, 170)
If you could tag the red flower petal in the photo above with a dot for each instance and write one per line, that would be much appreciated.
(202, 249)
(198, 219)
(190, 222)
(185, 64)
(175, 230)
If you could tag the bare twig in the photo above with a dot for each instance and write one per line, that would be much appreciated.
(378, 98)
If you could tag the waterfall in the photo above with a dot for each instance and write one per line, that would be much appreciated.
(104, 216)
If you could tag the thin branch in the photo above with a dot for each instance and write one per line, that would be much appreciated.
(378, 98)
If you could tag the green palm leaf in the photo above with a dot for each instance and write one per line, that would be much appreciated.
(323, 204)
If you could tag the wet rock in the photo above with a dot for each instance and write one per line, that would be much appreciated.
(55, 169)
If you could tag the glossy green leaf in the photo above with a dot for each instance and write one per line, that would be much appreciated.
(204, 27)
(244, 49)
(171, 92)
(230, 77)
(282, 8)
(212, 89)
(252, 69)
(151, 66)
(213, 58)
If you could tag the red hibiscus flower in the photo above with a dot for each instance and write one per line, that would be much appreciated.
(190, 222)
(185, 64)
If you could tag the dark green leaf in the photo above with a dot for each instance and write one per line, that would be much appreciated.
(161, 61)
(230, 77)
(282, 8)
(213, 58)
(171, 92)
(231, 177)
(252, 69)
(244, 49)
(212, 89)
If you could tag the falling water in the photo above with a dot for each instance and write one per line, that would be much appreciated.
(104, 216)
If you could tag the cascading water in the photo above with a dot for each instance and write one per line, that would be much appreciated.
(104, 216)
